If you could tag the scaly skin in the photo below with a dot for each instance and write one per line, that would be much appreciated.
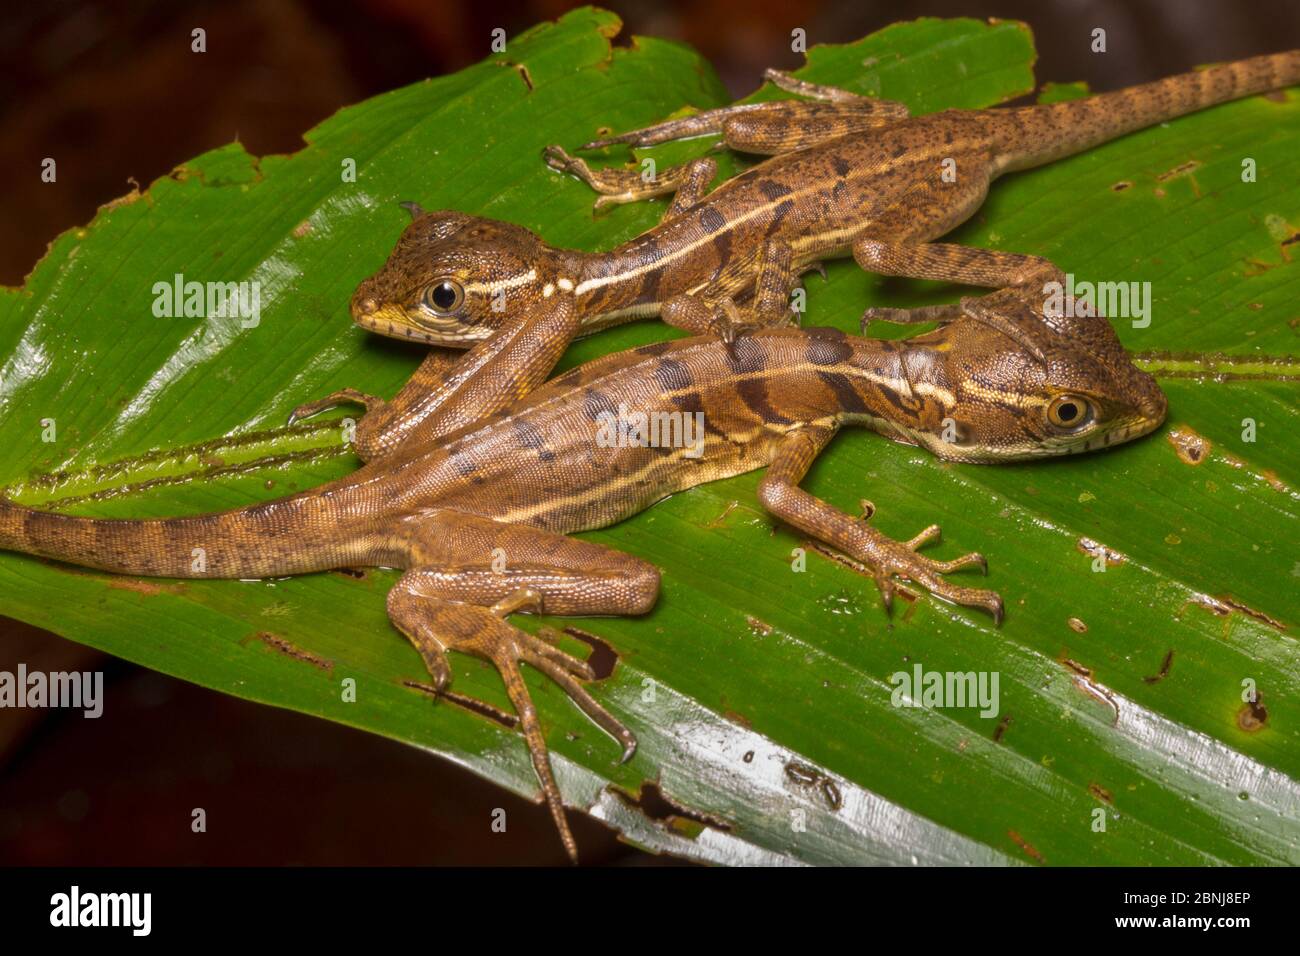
(999, 378)
(848, 174)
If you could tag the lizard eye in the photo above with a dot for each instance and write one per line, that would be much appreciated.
(1069, 411)
(444, 296)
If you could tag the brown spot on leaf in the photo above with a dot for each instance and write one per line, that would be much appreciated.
(1164, 670)
(1001, 729)
(1253, 715)
(1229, 601)
(1180, 170)
(1101, 793)
(1192, 448)
(289, 649)
(1095, 549)
(144, 587)
(1025, 845)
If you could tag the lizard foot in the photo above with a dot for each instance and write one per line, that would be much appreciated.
(730, 322)
(343, 395)
(435, 626)
(889, 558)
(928, 313)
(615, 186)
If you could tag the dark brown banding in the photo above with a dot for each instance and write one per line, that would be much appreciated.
(753, 392)
(825, 350)
(746, 356)
(782, 211)
(847, 396)
(722, 244)
(595, 404)
(712, 220)
(672, 375)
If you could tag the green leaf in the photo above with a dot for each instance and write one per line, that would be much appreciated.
(761, 697)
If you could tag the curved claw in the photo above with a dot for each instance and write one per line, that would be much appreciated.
(304, 412)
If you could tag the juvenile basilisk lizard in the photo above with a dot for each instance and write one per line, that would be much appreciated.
(848, 174)
(515, 476)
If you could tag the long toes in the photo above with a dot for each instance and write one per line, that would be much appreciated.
(601, 717)
(629, 138)
(435, 661)
(503, 655)
(886, 586)
(990, 601)
(303, 411)
(883, 314)
(543, 651)
(972, 560)
(925, 536)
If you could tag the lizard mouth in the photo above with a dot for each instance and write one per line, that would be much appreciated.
(394, 322)
(1134, 428)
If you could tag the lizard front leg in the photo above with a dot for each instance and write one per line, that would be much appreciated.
(384, 423)
(780, 494)
(454, 599)
(447, 394)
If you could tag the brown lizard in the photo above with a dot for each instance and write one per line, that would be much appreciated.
(848, 174)
(998, 380)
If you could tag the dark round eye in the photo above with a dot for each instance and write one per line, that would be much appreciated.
(444, 296)
(1069, 411)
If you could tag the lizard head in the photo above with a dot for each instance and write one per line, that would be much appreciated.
(1029, 384)
(453, 279)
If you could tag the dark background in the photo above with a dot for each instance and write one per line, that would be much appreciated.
(114, 92)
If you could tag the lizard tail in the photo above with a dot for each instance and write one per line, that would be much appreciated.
(1032, 135)
(288, 536)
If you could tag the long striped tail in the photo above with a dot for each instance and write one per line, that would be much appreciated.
(288, 536)
(1032, 135)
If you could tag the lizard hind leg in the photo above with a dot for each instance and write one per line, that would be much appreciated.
(457, 597)
(688, 180)
(435, 626)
